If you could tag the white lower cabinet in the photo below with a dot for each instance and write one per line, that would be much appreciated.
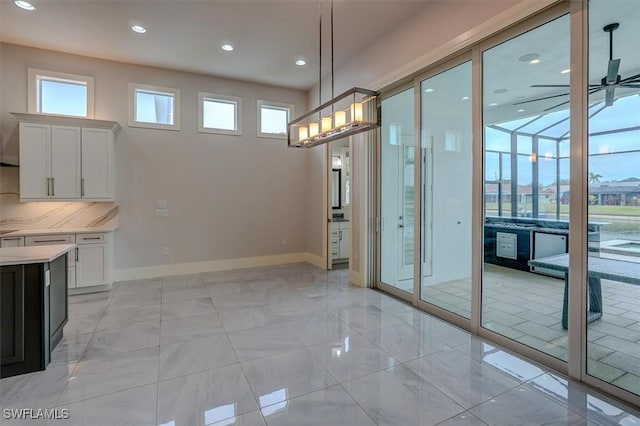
(339, 240)
(89, 264)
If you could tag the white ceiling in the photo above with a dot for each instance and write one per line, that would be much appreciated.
(268, 35)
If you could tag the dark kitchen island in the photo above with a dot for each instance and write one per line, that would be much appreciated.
(33, 306)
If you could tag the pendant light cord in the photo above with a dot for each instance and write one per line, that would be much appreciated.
(320, 54)
(332, 83)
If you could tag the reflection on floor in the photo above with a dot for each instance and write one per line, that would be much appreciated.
(288, 345)
(528, 308)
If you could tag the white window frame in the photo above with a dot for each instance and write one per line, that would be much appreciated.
(237, 101)
(33, 95)
(133, 87)
(275, 105)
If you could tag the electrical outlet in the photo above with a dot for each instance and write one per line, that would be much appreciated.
(162, 212)
(165, 251)
(284, 242)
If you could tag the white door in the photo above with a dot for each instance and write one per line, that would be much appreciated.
(96, 167)
(344, 241)
(65, 162)
(91, 265)
(35, 160)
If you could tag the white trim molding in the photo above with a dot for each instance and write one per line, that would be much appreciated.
(167, 91)
(33, 91)
(212, 266)
(273, 105)
(223, 99)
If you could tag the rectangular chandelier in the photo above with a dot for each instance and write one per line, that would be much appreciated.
(354, 111)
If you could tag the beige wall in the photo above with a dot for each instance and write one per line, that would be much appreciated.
(228, 196)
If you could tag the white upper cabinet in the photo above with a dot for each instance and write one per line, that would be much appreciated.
(65, 162)
(64, 158)
(97, 164)
(35, 161)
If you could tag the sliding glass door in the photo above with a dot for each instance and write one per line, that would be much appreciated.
(397, 191)
(446, 186)
(525, 112)
(613, 200)
(509, 192)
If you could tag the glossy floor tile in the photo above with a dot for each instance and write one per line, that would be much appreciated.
(294, 345)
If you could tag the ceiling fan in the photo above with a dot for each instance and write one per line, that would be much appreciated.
(608, 82)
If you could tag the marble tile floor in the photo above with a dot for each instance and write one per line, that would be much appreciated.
(527, 307)
(287, 345)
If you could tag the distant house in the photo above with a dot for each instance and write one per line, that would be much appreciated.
(621, 193)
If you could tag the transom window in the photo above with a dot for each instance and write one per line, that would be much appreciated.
(219, 114)
(154, 107)
(273, 118)
(58, 93)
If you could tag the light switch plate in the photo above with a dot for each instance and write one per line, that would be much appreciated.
(161, 204)
(162, 212)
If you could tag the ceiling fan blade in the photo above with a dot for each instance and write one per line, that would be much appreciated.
(632, 86)
(633, 77)
(556, 106)
(612, 72)
(609, 97)
(540, 99)
(549, 85)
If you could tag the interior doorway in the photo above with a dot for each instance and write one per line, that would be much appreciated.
(339, 204)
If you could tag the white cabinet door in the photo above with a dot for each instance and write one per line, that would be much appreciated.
(97, 167)
(35, 160)
(344, 242)
(65, 162)
(91, 265)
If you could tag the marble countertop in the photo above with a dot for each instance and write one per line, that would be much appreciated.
(55, 231)
(35, 254)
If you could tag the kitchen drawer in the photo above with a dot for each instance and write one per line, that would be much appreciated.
(90, 238)
(507, 250)
(12, 242)
(504, 237)
(47, 240)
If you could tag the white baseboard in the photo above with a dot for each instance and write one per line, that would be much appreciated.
(213, 266)
(355, 278)
(315, 260)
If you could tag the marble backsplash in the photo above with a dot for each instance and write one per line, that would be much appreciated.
(15, 215)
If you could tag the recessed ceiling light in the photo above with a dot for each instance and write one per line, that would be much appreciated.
(24, 5)
(301, 62)
(493, 104)
(499, 91)
(429, 90)
(521, 110)
(465, 98)
(534, 61)
(567, 71)
(529, 57)
(138, 29)
(227, 47)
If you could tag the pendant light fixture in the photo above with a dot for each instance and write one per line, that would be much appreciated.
(354, 111)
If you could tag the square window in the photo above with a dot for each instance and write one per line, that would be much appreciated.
(219, 114)
(57, 93)
(154, 107)
(273, 119)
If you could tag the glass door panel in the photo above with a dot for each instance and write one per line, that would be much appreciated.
(446, 189)
(613, 327)
(526, 188)
(397, 191)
